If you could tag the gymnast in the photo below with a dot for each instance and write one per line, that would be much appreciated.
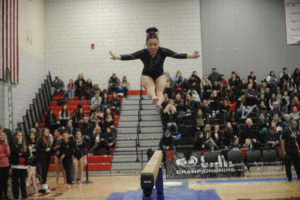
(153, 57)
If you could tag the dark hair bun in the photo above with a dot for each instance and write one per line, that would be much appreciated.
(151, 30)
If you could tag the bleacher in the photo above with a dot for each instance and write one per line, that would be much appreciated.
(99, 162)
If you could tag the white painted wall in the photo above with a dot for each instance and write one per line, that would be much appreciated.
(117, 25)
(32, 68)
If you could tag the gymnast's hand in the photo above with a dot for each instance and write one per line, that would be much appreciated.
(114, 57)
(194, 55)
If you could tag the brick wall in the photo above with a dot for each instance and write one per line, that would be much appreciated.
(117, 25)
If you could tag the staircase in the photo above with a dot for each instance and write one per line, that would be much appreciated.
(125, 156)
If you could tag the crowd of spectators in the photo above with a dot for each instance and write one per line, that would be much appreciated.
(218, 113)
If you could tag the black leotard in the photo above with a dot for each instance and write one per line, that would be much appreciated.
(153, 67)
(79, 149)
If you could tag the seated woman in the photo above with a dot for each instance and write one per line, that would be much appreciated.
(178, 80)
(199, 120)
(64, 116)
(71, 88)
(105, 101)
(109, 122)
(115, 103)
(126, 85)
(51, 121)
(88, 88)
(214, 103)
(106, 140)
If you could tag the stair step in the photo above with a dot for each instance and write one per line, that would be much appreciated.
(135, 112)
(143, 129)
(135, 118)
(143, 124)
(132, 143)
(128, 158)
(132, 149)
(122, 166)
(136, 97)
(137, 101)
(136, 107)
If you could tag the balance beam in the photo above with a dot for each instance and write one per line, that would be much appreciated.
(150, 173)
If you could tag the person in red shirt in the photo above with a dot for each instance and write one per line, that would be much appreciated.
(4, 165)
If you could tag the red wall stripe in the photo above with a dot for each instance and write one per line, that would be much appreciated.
(14, 42)
(10, 47)
(17, 41)
(3, 64)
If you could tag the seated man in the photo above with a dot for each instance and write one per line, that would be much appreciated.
(115, 103)
(57, 86)
(167, 142)
(113, 83)
(272, 140)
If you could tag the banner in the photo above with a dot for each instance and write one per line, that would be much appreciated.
(292, 21)
(192, 165)
(9, 55)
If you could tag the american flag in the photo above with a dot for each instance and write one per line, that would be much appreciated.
(9, 55)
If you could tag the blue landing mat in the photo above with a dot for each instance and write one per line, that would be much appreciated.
(172, 194)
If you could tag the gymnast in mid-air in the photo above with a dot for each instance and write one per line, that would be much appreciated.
(153, 57)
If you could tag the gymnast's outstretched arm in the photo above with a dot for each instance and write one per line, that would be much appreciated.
(133, 56)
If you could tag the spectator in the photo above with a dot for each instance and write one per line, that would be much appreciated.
(284, 75)
(85, 127)
(235, 145)
(272, 137)
(121, 90)
(199, 120)
(115, 103)
(71, 89)
(170, 110)
(195, 95)
(275, 110)
(276, 120)
(96, 100)
(7, 133)
(205, 86)
(178, 79)
(32, 162)
(19, 164)
(234, 81)
(95, 90)
(80, 78)
(64, 116)
(295, 103)
(185, 85)
(77, 117)
(294, 115)
(113, 83)
(272, 80)
(57, 86)
(109, 122)
(199, 142)
(81, 90)
(262, 125)
(296, 77)
(217, 137)
(215, 103)
(95, 137)
(105, 101)
(88, 88)
(290, 150)
(101, 142)
(179, 104)
(4, 164)
(190, 103)
(262, 109)
(97, 119)
(51, 121)
(67, 151)
(126, 85)
(214, 76)
(165, 101)
(43, 146)
(229, 134)
(167, 142)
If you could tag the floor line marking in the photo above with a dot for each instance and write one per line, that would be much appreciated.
(291, 189)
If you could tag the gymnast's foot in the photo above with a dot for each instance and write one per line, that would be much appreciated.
(154, 100)
(158, 108)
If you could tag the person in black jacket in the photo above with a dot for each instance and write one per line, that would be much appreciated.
(43, 147)
(115, 103)
(67, 151)
(19, 161)
(51, 121)
(290, 150)
(167, 142)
